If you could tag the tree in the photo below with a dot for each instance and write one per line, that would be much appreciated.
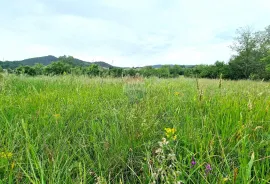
(249, 49)
(148, 71)
(164, 71)
(67, 60)
(93, 70)
(263, 38)
(175, 71)
(188, 72)
(39, 68)
(131, 72)
(244, 62)
(27, 70)
(1, 69)
(57, 68)
(116, 72)
(266, 62)
(77, 70)
(10, 70)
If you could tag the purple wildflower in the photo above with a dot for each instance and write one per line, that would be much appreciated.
(208, 168)
(193, 162)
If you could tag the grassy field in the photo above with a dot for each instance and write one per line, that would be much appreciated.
(79, 130)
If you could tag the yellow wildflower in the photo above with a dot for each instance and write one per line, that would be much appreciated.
(6, 155)
(170, 130)
(170, 133)
(167, 130)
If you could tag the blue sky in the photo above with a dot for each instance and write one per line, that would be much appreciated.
(127, 32)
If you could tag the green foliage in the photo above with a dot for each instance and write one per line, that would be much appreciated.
(27, 70)
(77, 70)
(163, 72)
(249, 62)
(250, 48)
(1, 70)
(46, 60)
(135, 91)
(93, 70)
(131, 72)
(10, 70)
(69, 60)
(176, 71)
(266, 62)
(76, 129)
(116, 72)
(39, 69)
(148, 71)
(58, 68)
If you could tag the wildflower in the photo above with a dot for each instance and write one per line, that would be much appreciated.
(163, 142)
(167, 130)
(193, 162)
(159, 150)
(180, 182)
(170, 130)
(170, 133)
(172, 156)
(155, 176)
(208, 168)
(6, 155)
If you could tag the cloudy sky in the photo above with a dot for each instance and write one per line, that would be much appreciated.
(127, 32)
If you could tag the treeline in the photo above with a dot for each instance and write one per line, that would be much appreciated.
(251, 60)
(65, 66)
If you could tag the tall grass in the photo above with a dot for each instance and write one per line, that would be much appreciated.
(79, 130)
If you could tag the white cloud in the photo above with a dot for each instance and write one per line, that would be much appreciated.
(130, 33)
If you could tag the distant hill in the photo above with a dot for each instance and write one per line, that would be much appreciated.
(103, 64)
(46, 60)
(183, 66)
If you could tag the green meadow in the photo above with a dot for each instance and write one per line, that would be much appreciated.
(76, 129)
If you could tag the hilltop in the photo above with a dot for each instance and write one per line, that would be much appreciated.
(46, 60)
